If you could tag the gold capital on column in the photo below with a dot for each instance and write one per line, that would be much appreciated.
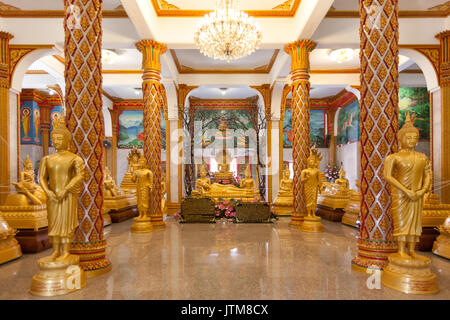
(299, 52)
(444, 79)
(153, 93)
(5, 180)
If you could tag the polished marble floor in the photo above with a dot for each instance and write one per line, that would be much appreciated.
(224, 261)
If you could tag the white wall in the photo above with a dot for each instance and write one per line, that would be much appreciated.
(349, 155)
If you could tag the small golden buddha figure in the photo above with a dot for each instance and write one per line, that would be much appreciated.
(203, 184)
(224, 160)
(342, 181)
(110, 189)
(248, 182)
(285, 198)
(61, 176)
(127, 185)
(409, 174)
(310, 178)
(28, 186)
(143, 178)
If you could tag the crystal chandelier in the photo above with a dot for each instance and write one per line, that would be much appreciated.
(227, 33)
(342, 55)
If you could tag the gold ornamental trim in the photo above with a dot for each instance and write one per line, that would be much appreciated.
(401, 14)
(54, 14)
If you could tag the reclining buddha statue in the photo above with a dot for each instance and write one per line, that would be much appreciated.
(245, 192)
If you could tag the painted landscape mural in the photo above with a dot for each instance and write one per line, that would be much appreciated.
(317, 128)
(131, 129)
(348, 124)
(416, 101)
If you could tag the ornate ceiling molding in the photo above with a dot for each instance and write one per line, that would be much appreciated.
(188, 70)
(173, 12)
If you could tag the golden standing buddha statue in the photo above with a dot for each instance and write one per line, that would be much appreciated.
(61, 176)
(409, 174)
(143, 178)
(310, 177)
(285, 199)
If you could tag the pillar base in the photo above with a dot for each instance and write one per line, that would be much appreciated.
(373, 254)
(93, 258)
(56, 278)
(312, 224)
(142, 225)
(158, 222)
(296, 221)
(412, 276)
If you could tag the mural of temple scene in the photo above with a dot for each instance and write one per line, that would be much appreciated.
(139, 160)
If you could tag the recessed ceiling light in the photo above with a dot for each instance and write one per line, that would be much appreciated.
(342, 55)
(137, 91)
(108, 56)
(223, 90)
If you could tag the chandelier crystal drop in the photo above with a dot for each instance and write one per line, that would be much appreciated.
(227, 33)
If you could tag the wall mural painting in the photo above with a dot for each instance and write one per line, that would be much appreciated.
(348, 124)
(317, 128)
(131, 130)
(213, 120)
(30, 123)
(416, 101)
(55, 117)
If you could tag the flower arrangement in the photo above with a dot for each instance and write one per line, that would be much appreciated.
(177, 215)
(331, 173)
(225, 210)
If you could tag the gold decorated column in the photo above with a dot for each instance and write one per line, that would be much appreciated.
(84, 117)
(444, 38)
(299, 52)
(379, 127)
(5, 180)
(153, 102)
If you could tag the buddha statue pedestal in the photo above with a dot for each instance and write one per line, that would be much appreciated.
(433, 215)
(57, 277)
(142, 225)
(331, 202)
(121, 207)
(311, 224)
(351, 215)
(409, 275)
(441, 246)
(29, 220)
(9, 247)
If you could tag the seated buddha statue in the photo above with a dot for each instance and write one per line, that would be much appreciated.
(224, 166)
(110, 189)
(27, 185)
(248, 182)
(127, 185)
(285, 195)
(342, 181)
(203, 184)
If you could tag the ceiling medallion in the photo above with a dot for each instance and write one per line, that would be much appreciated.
(227, 33)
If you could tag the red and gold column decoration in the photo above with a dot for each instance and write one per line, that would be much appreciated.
(299, 52)
(444, 81)
(153, 100)
(83, 102)
(379, 127)
(5, 179)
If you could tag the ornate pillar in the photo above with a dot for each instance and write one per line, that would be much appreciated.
(153, 101)
(5, 179)
(45, 126)
(115, 133)
(84, 117)
(444, 80)
(299, 52)
(379, 127)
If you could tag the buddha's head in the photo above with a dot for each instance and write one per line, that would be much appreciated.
(408, 135)
(286, 173)
(247, 172)
(202, 173)
(142, 162)
(342, 173)
(27, 164)
(61, 136)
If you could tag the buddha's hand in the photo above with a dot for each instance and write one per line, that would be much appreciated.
(412, 195)
(61, 194)
(51, 196)
(421, 193)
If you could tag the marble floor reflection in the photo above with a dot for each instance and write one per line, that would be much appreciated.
(224, 261)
